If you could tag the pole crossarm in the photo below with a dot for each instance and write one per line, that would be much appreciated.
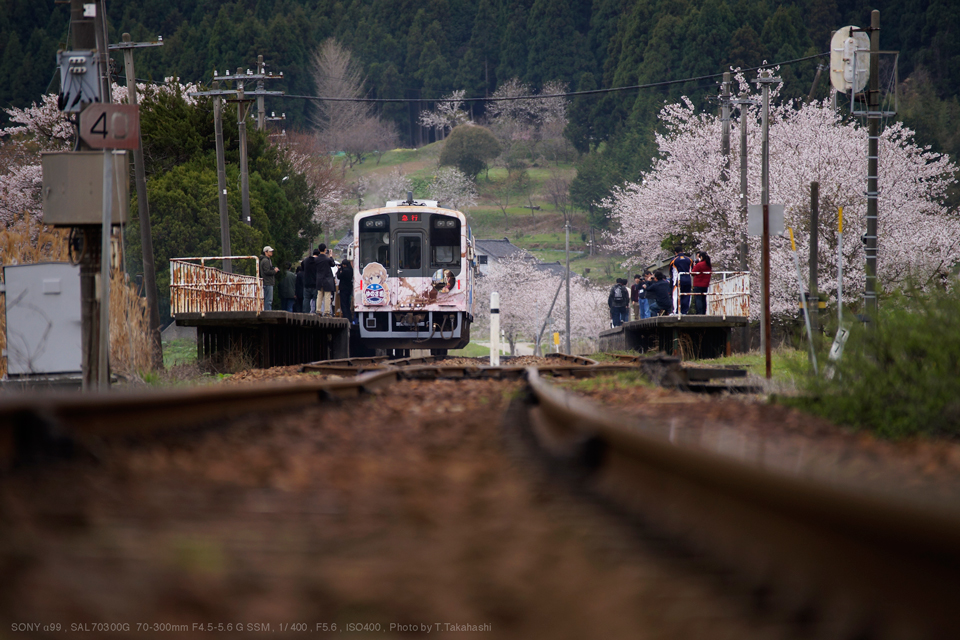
(135, 45)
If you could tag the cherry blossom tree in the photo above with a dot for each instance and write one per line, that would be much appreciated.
(307, 155)
(685, 193)
(526, 292)
(522, 123)
(446, 115)
(40, 128)
(452, 188)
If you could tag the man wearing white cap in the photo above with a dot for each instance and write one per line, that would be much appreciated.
(268, 274)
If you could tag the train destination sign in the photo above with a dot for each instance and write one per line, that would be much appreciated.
(408, 217)
(110, 126)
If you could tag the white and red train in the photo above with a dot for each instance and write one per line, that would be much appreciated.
(414, 269)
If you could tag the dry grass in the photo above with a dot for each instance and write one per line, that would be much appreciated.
(28, 242)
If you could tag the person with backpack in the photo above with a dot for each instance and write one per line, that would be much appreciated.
(619, 302)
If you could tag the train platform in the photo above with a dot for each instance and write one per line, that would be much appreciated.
(266, 339)
(691, 337)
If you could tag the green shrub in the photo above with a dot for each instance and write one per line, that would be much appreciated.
(900, 378)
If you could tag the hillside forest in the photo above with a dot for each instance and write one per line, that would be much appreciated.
(426, 50)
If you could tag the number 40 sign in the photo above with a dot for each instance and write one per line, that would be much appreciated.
(110, 126)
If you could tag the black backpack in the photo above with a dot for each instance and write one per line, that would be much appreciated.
(620, 296)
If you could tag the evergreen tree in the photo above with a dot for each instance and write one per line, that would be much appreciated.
(556, 49)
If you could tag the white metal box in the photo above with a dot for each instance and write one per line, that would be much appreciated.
(43, 318)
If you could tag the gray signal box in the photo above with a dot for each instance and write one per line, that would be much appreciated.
(73, 187)
(43, 319)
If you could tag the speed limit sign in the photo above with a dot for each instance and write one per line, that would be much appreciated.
(110, 126)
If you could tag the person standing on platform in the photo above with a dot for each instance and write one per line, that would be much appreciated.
(309, 265)
(345, 277)
(619, 302)
(644, 300)
(658, 293)
(288, 289)
(701, 282)
(298, 290)
(326, 285)
(635, 290)
(268, 273)
(682, 264)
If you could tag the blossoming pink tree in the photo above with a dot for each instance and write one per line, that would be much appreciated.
(526, 293)
(685, 193)
(40, 128)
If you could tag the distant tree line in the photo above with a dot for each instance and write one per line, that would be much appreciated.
(425, 50)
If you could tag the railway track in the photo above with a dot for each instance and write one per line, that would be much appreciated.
(843, 561)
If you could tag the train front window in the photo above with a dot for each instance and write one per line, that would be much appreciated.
(375, 241)
(410, 255)
(445, 243)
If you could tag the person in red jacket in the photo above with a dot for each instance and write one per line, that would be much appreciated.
(701, 281)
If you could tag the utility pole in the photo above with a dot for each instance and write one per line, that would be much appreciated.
(873, 152)
(143, 209)
(765, 80)
(84, 38)
(221, 178)
(100, 31)
(244, 172)
(813, 300)
(106, 227)
(566, 226)
(725, 123)
(242, 99)
(743, 104)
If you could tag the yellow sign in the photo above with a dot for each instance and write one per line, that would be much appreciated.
(556, 337)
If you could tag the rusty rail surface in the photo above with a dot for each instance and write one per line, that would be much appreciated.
(572, 358)
(33, 425)
(198, 288)
(852, 563)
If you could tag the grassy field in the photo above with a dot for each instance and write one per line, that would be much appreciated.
(179, 352)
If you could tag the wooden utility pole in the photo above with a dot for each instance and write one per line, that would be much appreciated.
(242, 99)
(744, 114)
(873, 152)
(143, 208)
(221, 178)
(83, 28)
(725, 124)
(765, 80)
(813, 300)
(244, 172)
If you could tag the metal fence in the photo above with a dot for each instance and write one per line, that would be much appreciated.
(727, 295)
(197, 288)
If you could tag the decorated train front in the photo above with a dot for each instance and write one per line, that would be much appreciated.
(413, 276)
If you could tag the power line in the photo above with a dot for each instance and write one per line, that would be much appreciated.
(568, 94)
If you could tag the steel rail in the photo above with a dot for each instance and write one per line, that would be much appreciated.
(31, 421)
(863, 564)
(32, 424)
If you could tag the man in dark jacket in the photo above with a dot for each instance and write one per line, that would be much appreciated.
(345, 285)
(682, 263)
(659, 293)
(298, 290)
(309, 265)
(268, 273)
(325, 282)
(288, 289)
(619, 302)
